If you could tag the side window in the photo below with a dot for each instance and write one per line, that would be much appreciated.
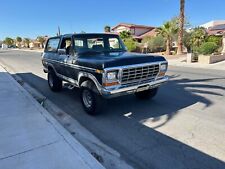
(95, 43)
(67, 45)
(114, 43)
(79, 43)
(52, 45)
(66, 42)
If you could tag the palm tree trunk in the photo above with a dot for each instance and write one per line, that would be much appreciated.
(181, 28)
(168, 46)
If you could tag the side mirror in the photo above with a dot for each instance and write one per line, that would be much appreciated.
(61, 51)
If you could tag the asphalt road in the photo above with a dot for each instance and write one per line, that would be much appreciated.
(182, 128)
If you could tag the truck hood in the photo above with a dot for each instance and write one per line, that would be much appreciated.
(114, 59)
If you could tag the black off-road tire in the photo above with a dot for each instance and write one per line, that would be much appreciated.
(147, 94)
(54, 82)
(96, 102)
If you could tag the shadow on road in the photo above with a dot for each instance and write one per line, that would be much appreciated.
(124, 116)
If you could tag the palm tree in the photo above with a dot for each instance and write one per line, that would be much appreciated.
(41, 40)
(107, 28)
(168, 30)
(198, 36)
(19, 40)
(181, 28)
(27, 42)
(8, 41)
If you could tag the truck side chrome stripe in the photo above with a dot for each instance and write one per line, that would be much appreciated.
(69, 64)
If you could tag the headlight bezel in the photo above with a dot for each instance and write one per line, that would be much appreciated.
(112, 76)
(163, 67)
(113, 81)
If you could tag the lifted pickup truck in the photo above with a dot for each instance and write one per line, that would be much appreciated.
(101, 67)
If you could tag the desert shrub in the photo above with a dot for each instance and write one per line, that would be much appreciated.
(155, 44)
(216, 39)
(208, 48)
(130, 44)
(125, 35)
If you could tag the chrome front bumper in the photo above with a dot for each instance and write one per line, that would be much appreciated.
(125, 90)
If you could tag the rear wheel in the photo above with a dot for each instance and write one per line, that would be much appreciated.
(91, 100)
(54, 82)
(147, 94)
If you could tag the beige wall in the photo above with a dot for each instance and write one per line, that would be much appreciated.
(121, 29)
(134, 31)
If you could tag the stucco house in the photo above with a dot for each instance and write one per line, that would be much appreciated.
(217, 30)
(215, 27)
(211, 24)
(138, 32)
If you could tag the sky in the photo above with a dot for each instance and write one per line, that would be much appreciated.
(29, 18)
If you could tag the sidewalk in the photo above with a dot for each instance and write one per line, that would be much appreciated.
(181, 61)
(29, 50)
(30, 138)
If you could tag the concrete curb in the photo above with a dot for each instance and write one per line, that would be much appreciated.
(72, 142)
(28, 50)
(107, 156)
(215, 66)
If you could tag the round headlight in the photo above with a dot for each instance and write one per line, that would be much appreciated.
(112, 75)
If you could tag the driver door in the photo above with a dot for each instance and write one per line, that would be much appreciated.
(67, 58)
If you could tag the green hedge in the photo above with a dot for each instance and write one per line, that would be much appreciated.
(130, 44)
(208, 48)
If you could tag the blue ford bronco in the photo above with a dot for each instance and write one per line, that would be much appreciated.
(100, 66)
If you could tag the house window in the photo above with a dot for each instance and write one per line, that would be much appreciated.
(132, 31)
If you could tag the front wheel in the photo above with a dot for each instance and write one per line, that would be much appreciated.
(91, 101)
(54, 82)
(147, 94)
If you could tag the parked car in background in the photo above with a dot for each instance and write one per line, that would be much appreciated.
(4, 46)
(12, 46)
(101, 67)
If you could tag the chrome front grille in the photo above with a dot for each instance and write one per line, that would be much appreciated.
(137, 74)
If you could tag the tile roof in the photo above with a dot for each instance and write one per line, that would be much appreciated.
(132, 25)
(218, 27)
(149, 33)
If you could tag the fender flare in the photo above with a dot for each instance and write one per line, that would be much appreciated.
(92, 78)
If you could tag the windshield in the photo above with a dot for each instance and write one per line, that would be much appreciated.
(98, 43)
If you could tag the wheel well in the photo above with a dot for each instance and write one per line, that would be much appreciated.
(50, 68)
(82, 79)
(90, 84)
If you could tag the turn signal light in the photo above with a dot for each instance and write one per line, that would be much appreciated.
(98, 71)
(110, 84)
(162, 73)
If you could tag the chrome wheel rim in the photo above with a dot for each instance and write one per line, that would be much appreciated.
(87, 98)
